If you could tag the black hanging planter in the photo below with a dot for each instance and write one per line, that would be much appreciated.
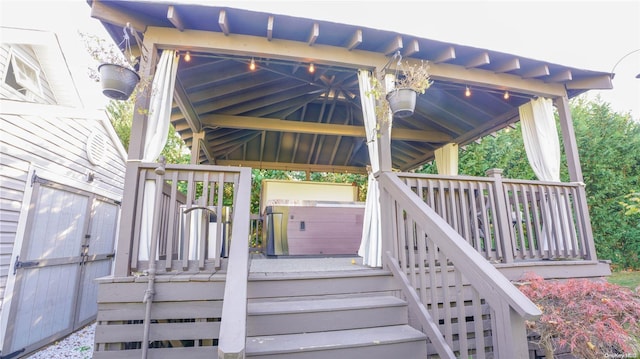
(118, 82)
(402, 102)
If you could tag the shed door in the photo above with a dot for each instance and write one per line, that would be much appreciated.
(55, 292)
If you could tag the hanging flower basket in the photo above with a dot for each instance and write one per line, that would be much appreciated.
(118, 82)
(402, 102)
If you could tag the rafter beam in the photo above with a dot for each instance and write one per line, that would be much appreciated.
(355, 40)
(270, 28)
(538, 71)
(223, 22)
(445, 55)
(413, 48)
(174, 18)
(602, 82)
(509, 65)
(313, 36)
(395, 45)
(479, 60)
(294, 166)
(104, 11)
(213, 42)
(268, 124)
(186, 107)
(561, 76)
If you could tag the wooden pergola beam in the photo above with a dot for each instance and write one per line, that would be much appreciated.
(212, 42)
(268, 124)
(294, 166)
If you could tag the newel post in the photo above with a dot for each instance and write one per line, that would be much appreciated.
(503, 219)
(122, 263)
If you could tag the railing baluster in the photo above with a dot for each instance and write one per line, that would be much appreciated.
(174, 211)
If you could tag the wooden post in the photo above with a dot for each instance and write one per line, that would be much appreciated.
(384, 143)
(195, 147)
(575, 170)
(122, 264)
(504, 215)
(569, 139)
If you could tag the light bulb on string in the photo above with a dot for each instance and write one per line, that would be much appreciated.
(506, 95)
(312, 68)
(467, 92)
(252, 65)
(187, 57)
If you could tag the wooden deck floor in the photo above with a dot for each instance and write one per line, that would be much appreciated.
(261, 264)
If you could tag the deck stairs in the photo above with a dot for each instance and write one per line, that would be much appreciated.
(331, 314)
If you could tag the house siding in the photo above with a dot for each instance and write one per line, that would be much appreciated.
(7, 92)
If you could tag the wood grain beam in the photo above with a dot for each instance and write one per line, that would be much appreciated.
(293, 166)
(269, 124)
(174, 18)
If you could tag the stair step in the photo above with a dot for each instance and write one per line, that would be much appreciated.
(291, 285)
(314, 315)
(297, 306)
(400, 341)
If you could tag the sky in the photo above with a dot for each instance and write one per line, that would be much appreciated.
(590, 35)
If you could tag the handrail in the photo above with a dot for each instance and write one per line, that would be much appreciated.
(492, 284)
(233, 326)
(454, 280)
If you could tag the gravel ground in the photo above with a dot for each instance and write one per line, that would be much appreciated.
(78, 345)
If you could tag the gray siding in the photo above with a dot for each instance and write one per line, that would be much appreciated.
(56, 144)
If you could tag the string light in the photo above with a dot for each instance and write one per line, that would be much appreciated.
(467, 92)
(312, 68)
(252, 65)
(187, 57)
(506, 95)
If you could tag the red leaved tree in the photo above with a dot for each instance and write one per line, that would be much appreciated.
(593, 319)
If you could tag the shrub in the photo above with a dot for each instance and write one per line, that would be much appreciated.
(592, 319)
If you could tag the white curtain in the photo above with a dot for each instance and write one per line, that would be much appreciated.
(156, 136)
(447, 159)
(541, 138)
(371, 243)
(542, 145)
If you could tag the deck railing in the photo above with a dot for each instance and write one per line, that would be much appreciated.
(510, 220)
(463, 297)
(198, 208)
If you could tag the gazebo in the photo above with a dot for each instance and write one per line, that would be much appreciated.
(258, 90)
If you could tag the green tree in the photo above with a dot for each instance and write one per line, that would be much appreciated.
(121, 116)
(609, 149)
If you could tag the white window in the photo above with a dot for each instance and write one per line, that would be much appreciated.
(22, 75)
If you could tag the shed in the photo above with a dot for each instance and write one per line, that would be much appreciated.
(61, 182)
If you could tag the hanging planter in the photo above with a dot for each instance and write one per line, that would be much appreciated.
(118, 82)
(402, 102)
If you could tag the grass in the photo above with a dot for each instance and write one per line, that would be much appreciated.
(629, 279)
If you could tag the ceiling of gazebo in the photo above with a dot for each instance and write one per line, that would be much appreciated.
(281, 116)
